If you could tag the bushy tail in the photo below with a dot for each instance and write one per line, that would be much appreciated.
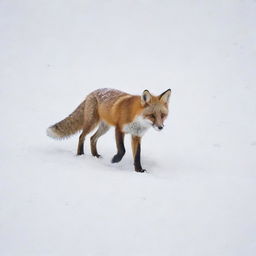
(68, 126)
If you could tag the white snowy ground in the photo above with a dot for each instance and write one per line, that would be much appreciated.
(198, 196)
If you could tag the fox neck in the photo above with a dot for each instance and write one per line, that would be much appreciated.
(138, 127)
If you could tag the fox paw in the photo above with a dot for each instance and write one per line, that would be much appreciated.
(140, 170)
(117, 158)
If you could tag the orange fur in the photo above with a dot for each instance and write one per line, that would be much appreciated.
(108, 107)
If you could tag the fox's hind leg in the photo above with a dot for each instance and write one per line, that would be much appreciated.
(91, 120)
(80, 148)
(103, 128)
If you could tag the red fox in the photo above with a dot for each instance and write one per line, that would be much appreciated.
(109, 107)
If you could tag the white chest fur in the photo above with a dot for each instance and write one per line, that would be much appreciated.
(138, 127)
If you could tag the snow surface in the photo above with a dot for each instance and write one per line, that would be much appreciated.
(198, 196)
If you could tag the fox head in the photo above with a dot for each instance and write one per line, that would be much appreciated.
(155, 108)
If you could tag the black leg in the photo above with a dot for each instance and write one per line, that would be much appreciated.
(120, 146)
(136, 148)
(80, 148)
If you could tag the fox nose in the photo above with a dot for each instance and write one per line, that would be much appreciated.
(160, 127)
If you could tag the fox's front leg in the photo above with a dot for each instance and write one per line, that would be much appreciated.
(120, 146)
(136, 141)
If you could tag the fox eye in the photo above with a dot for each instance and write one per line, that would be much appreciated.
(163, 115)
(152, 116)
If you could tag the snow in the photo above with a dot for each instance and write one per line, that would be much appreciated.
(198, 194)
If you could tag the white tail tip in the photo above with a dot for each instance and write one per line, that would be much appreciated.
(51, 133)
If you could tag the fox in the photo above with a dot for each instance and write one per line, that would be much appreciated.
(105, 108)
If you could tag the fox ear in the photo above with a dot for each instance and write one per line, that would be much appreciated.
(165, 96)
(145, 97)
